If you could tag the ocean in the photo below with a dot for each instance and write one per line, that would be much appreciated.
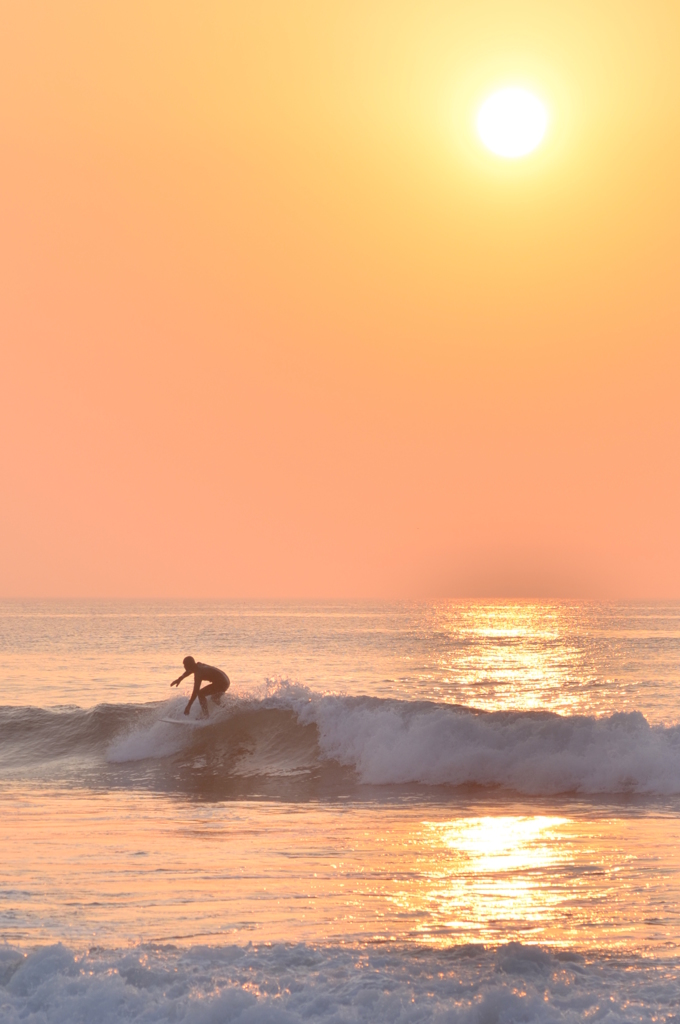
(401, 812)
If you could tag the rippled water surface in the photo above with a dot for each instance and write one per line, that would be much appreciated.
(433, 777)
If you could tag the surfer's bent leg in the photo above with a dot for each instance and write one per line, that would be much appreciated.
(213, 690)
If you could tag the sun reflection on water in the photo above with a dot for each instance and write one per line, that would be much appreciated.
(519, 656)
(503, 843)
(492, 875)
(148, 868)
(543, 878)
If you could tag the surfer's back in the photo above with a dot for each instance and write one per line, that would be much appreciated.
(211, 674)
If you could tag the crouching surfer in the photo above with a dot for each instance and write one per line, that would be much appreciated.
(217, 680)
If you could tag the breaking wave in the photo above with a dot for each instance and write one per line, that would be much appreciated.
(292, 733)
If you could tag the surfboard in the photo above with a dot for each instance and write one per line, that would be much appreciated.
(183, 721)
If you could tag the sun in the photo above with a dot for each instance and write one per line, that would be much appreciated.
(512, 122)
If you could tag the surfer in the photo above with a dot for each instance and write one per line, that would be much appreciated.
(218, 683)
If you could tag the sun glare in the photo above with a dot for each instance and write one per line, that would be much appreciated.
(512, 122)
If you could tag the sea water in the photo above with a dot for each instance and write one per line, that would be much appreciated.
(446, 811)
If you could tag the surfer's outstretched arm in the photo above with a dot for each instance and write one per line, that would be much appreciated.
(176, 682)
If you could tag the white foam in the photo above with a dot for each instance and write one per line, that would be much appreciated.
(284, 984)
(392, 742)
(397, 742)
(157, 739)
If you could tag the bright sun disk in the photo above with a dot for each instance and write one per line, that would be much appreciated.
(512, 122)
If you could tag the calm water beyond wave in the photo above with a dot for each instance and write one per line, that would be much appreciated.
(444, 812)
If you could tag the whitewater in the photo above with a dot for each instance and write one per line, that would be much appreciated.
(418, 812)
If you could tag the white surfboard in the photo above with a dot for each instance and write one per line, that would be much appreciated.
(184, 721)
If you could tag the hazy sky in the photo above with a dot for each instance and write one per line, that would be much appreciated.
(272, 323)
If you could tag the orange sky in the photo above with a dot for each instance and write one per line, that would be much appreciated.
(272, 324)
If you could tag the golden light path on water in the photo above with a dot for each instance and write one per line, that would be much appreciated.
(529, 662)
(498, 873)
(119, 867)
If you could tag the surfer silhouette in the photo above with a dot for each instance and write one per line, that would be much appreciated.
(217, 680)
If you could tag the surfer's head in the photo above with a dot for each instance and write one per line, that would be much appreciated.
(189, 663)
